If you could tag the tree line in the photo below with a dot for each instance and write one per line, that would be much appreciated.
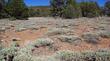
(58, 8)
(13, 9)
(74, 9)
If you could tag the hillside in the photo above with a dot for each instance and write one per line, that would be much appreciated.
(49, 35)
(40, 11)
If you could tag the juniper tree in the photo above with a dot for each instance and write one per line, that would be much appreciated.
(17, 9)
(65, 8)
(72, 10)
(90, 9)
(57, 7)
(107, 8)
(2, 5)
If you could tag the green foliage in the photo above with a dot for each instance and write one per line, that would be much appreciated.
(2, 3)
(1, 45)
(15, 53)
(23, 57)
(7, 54)
(67, 56)
(43, 42)
(82, 56)
(33, 13)
(58, 31)
(57, 7)
(91, 37)
(12, 18)
(71, 10)
(70, 39)
(90, 9)
(104, 34)
(2, 6)
(65, 8)
(107, 8)
(39, 11)
(24, 54)
(17, 9)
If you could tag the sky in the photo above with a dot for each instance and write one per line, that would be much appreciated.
(101, 2)
(46, 2)
(37, 2)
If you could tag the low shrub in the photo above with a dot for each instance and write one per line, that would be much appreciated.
(14, 53)
(8, 54)
(1, 45)
(67, 56)
(12, 18)
(82, 56)
(43, 42)
(70, 39)
(23, 57)
(91, 37)
(58, 31)
(104, 34)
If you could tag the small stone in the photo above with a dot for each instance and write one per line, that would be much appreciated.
(16, 39)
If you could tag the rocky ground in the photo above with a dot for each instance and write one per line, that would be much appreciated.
(57, 34)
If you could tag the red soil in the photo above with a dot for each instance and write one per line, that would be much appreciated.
(24, 36)
(30, 35)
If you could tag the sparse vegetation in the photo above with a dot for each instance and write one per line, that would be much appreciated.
(20, 54)
(8, 54)
(83, 56)
(62, 38)
(47, 44)
(104, 34)
(67, 56)
(91, 37)
(43, 42)
(1, 45)
(70, 39)
(58, 31)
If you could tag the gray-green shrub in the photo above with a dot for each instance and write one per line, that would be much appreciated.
(104, 33)
(8, 53)
(70, 39)
(91, 37)
(58, 31)
(43, 42)
(82, 56)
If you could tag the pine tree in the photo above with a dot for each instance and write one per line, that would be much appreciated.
(17, 9)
